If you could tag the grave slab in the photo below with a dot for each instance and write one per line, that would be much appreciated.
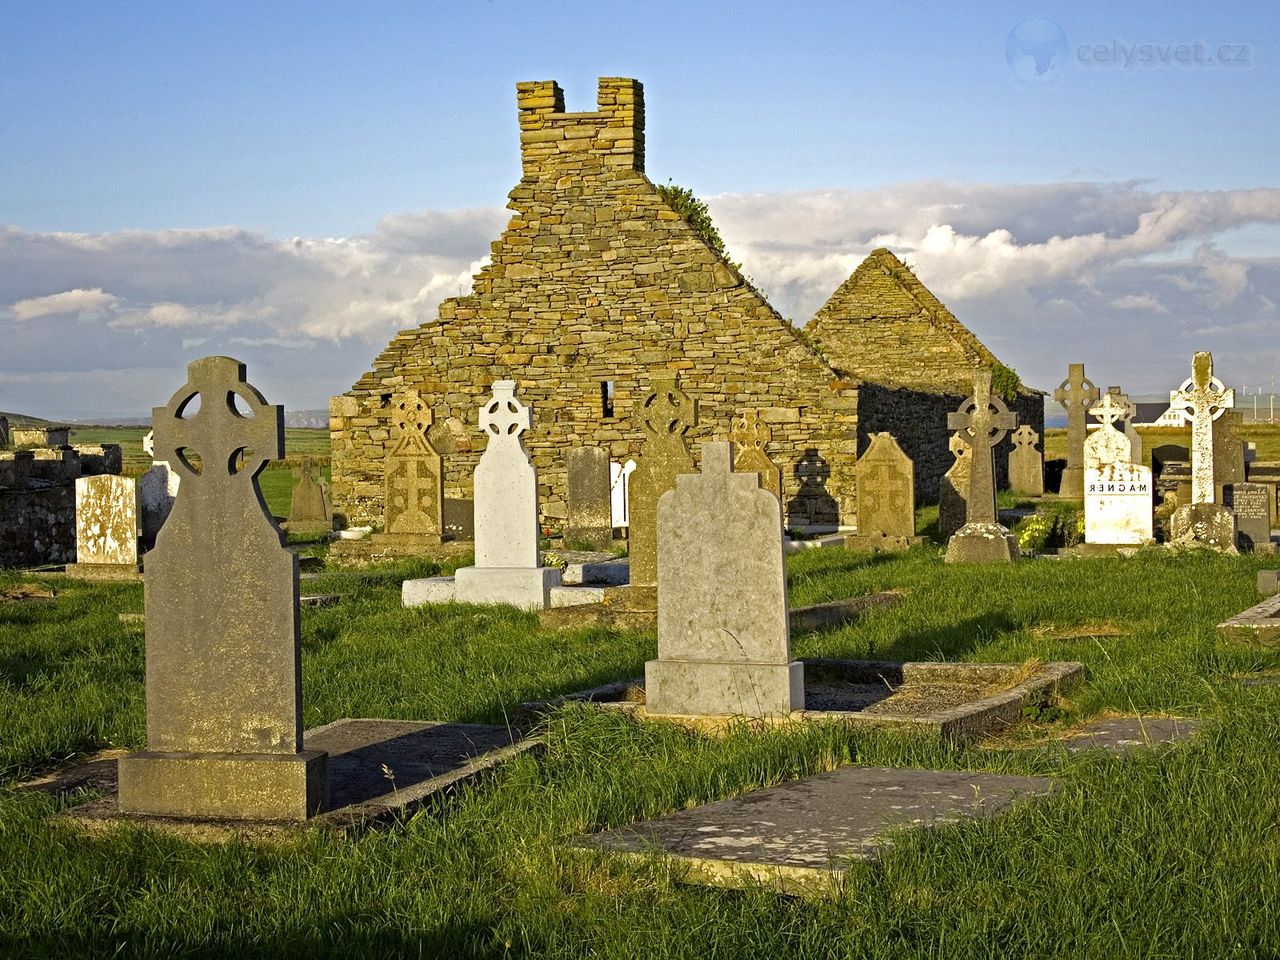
(1126, 734)
(1259, 624)
(377, 769)
(801, 835)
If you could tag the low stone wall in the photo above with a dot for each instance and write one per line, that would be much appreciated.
(37, 527)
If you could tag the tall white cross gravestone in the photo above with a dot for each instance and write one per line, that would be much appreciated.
(1200, 400)
(724, 642)
(506, 513)
(1117, 492)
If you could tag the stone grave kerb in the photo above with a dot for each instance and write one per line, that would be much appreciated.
(1200, 400)
(664, 418)
(750, 436)
(982, 422)
(1076, 394)
(223, 670)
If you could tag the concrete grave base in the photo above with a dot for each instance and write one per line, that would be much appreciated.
(800, 836)
(881, 544)
(816, 543)
(420, 592)
(952, 701)
(223, 786)
(104, 571)
(701, 688)
(302, 528)
(1203, 524)
(526, 587)
(982, 543)
(377, 770)
(1259, 624)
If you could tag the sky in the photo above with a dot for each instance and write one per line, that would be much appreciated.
(292, 184)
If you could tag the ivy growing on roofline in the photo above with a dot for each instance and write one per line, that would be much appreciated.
(697, 215)
(1005, 382)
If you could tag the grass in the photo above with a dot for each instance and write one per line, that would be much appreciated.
(1265, 435)
(1162, 854)
(298, 442)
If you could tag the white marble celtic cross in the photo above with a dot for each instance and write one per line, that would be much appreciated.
(1107, 444)
(504, 415)
(1202, 399)
(982, 422)
(506, 485)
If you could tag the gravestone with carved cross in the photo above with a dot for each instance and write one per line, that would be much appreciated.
(1107, 443)
(953, 490)
(1202, 399)
(750, 435)
(223, 684)
(1026, 462)
(1125, 423)
(982, 421)
(886, 498)
(506, 512)
(665, 416)
(724, 642)
(414, 480)
(309, 508)
(1076, 394)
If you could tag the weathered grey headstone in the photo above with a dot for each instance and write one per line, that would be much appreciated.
(1201, 399)
(724, 641)
(590, 513)
(1169, 453)
(886, 497)
(1125, 422)
(1251, 504)
(750, 435)
(309, 509)
(414, 471)
(666, 415)
(1026, 462)
(1076, 394)
(982, 422)
(506, 513)
(223, 684)
(1228, 452)
(4, 433)
(157, 490)
(459, 518)
(953, 491)
(106, 528)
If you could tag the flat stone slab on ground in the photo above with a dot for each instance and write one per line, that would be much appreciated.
(377, 769)
(801, 835)
(1259, 624)
(1125, 734)
(955, 701)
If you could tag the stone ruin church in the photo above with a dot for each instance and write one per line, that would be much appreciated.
(598, 284)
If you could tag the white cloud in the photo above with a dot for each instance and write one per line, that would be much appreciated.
(91, 302)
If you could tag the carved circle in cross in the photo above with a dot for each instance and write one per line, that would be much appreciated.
(217, 424)
(504, 415)
(411, 414)
(984, 418)
(750, 431)
(666, 411)
(1110, 409)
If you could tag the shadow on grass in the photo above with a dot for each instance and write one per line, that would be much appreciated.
(950, 642)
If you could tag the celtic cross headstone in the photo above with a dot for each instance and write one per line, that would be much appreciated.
(506, 512)
(1125, 423)
(1076, 394)
(665, 416)
(750, 435)
(1202, 399)
(982, 421)
(1026, 462)
(223, 684)
(1107, 444)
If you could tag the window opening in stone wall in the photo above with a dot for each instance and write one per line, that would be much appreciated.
(606, 398)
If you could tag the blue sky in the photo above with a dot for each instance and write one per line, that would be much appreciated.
(123, 121)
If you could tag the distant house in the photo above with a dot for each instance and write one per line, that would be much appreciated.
(1157, 415)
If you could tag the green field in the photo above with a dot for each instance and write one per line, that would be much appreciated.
(1265, 435)
(1169, 853)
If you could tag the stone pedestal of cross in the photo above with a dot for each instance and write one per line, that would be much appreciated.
(750, 435)
(309, 509)
(665, 416)
(886, 498)
(982, 421)
(724, 641)
(413, 497)
(1026, 462)
(1076, 394)
(223, 685)
(506, 513)
(1200, 400)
